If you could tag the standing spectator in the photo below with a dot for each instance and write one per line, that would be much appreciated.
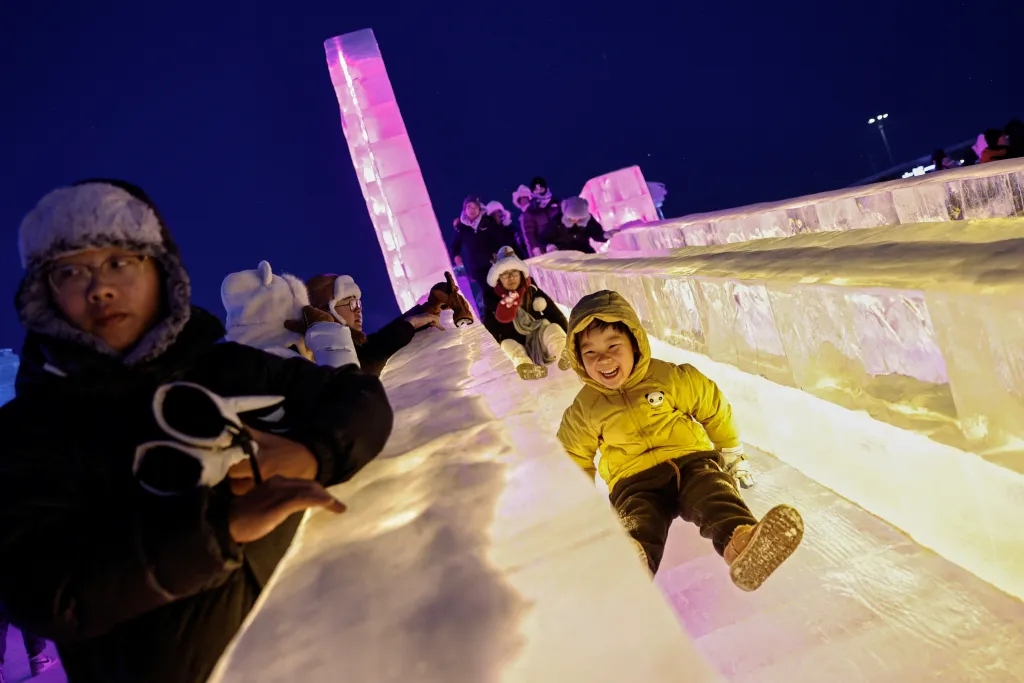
(146, 573)
(521, 199)
(478, 237)
(1015, 139)
(996, 149)
(574, 229)
(942, 160)
(541, 213)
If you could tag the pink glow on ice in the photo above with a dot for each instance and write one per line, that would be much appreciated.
(396, 196)
(620, 197)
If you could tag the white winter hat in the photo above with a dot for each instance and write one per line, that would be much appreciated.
(258, 302)
(492, 207)
(522, 192)
(507, 260)
(344, 288)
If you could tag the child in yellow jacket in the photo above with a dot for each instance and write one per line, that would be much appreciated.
(661, 429)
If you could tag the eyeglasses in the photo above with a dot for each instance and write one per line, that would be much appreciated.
(354, 304)
(75, 278)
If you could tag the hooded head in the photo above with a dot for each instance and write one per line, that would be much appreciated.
(507, 262)
(612, 354)
(258, 303)
(521, 197)
(497, 211)
(575, 211)
(340, 296)
(102, 272)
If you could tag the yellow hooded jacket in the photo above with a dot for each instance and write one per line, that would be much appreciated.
(662, 412)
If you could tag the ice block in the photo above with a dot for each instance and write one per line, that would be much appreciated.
(386, 167)
(994, 190)
(620, 197)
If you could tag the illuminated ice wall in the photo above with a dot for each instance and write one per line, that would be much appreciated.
(993, 190)
(396, 196)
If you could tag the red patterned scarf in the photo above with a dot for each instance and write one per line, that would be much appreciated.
(510, 301)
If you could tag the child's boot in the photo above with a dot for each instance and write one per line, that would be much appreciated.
(754, 552)
(525, 367)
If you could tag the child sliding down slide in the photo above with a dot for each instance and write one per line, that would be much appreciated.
(663, 430)
(523, 319)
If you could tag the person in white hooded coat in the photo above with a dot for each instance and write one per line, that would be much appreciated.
(272, 313)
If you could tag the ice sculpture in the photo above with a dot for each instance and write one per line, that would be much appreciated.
(396, 196)
(473, 551)
(620, 197)
(993, 190)
(8, 371)
(917, 326)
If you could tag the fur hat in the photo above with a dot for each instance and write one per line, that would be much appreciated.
(522, 192)
(507, 260)
(258, 302)
(576, 208)
(495, 207)
(98, 214)
(325, 291)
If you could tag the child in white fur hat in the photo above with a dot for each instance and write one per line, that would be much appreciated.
(523, 319)
(272, 313)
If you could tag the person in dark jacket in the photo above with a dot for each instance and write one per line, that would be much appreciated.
(133, 586)
(340, 296)
(996, 141)
(521, 199)
(524, 320)
(477, 238)
(1014, 131)
(574, 229)
(541, 213)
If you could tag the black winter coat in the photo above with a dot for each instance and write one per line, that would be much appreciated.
(502, 331)
(576, 238)
(135, 587)
(478, 247)
(378, 348)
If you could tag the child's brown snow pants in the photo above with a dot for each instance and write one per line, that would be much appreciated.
(694, 487)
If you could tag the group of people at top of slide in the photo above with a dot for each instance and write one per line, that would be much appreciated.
(157, 462)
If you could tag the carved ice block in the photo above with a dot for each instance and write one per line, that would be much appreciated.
(396, 196)
(620, 197)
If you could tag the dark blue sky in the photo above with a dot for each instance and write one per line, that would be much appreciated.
(224, 112)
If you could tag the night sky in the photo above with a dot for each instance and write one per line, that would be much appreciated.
(224, 112)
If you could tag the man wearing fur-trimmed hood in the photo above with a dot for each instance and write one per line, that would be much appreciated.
(523, 319)
(132, 582)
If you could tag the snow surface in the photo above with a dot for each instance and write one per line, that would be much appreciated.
(994, 190)
(475, 551)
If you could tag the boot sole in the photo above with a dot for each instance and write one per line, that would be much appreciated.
(531, 371)
(773, 541)
(563, 364)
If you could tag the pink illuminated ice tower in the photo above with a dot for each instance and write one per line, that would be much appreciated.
(386, 166)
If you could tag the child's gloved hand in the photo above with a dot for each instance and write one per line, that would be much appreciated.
(738, 467)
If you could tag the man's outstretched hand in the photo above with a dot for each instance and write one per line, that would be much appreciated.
(265, 507)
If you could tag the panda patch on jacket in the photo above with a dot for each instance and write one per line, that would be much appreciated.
(655, 398)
